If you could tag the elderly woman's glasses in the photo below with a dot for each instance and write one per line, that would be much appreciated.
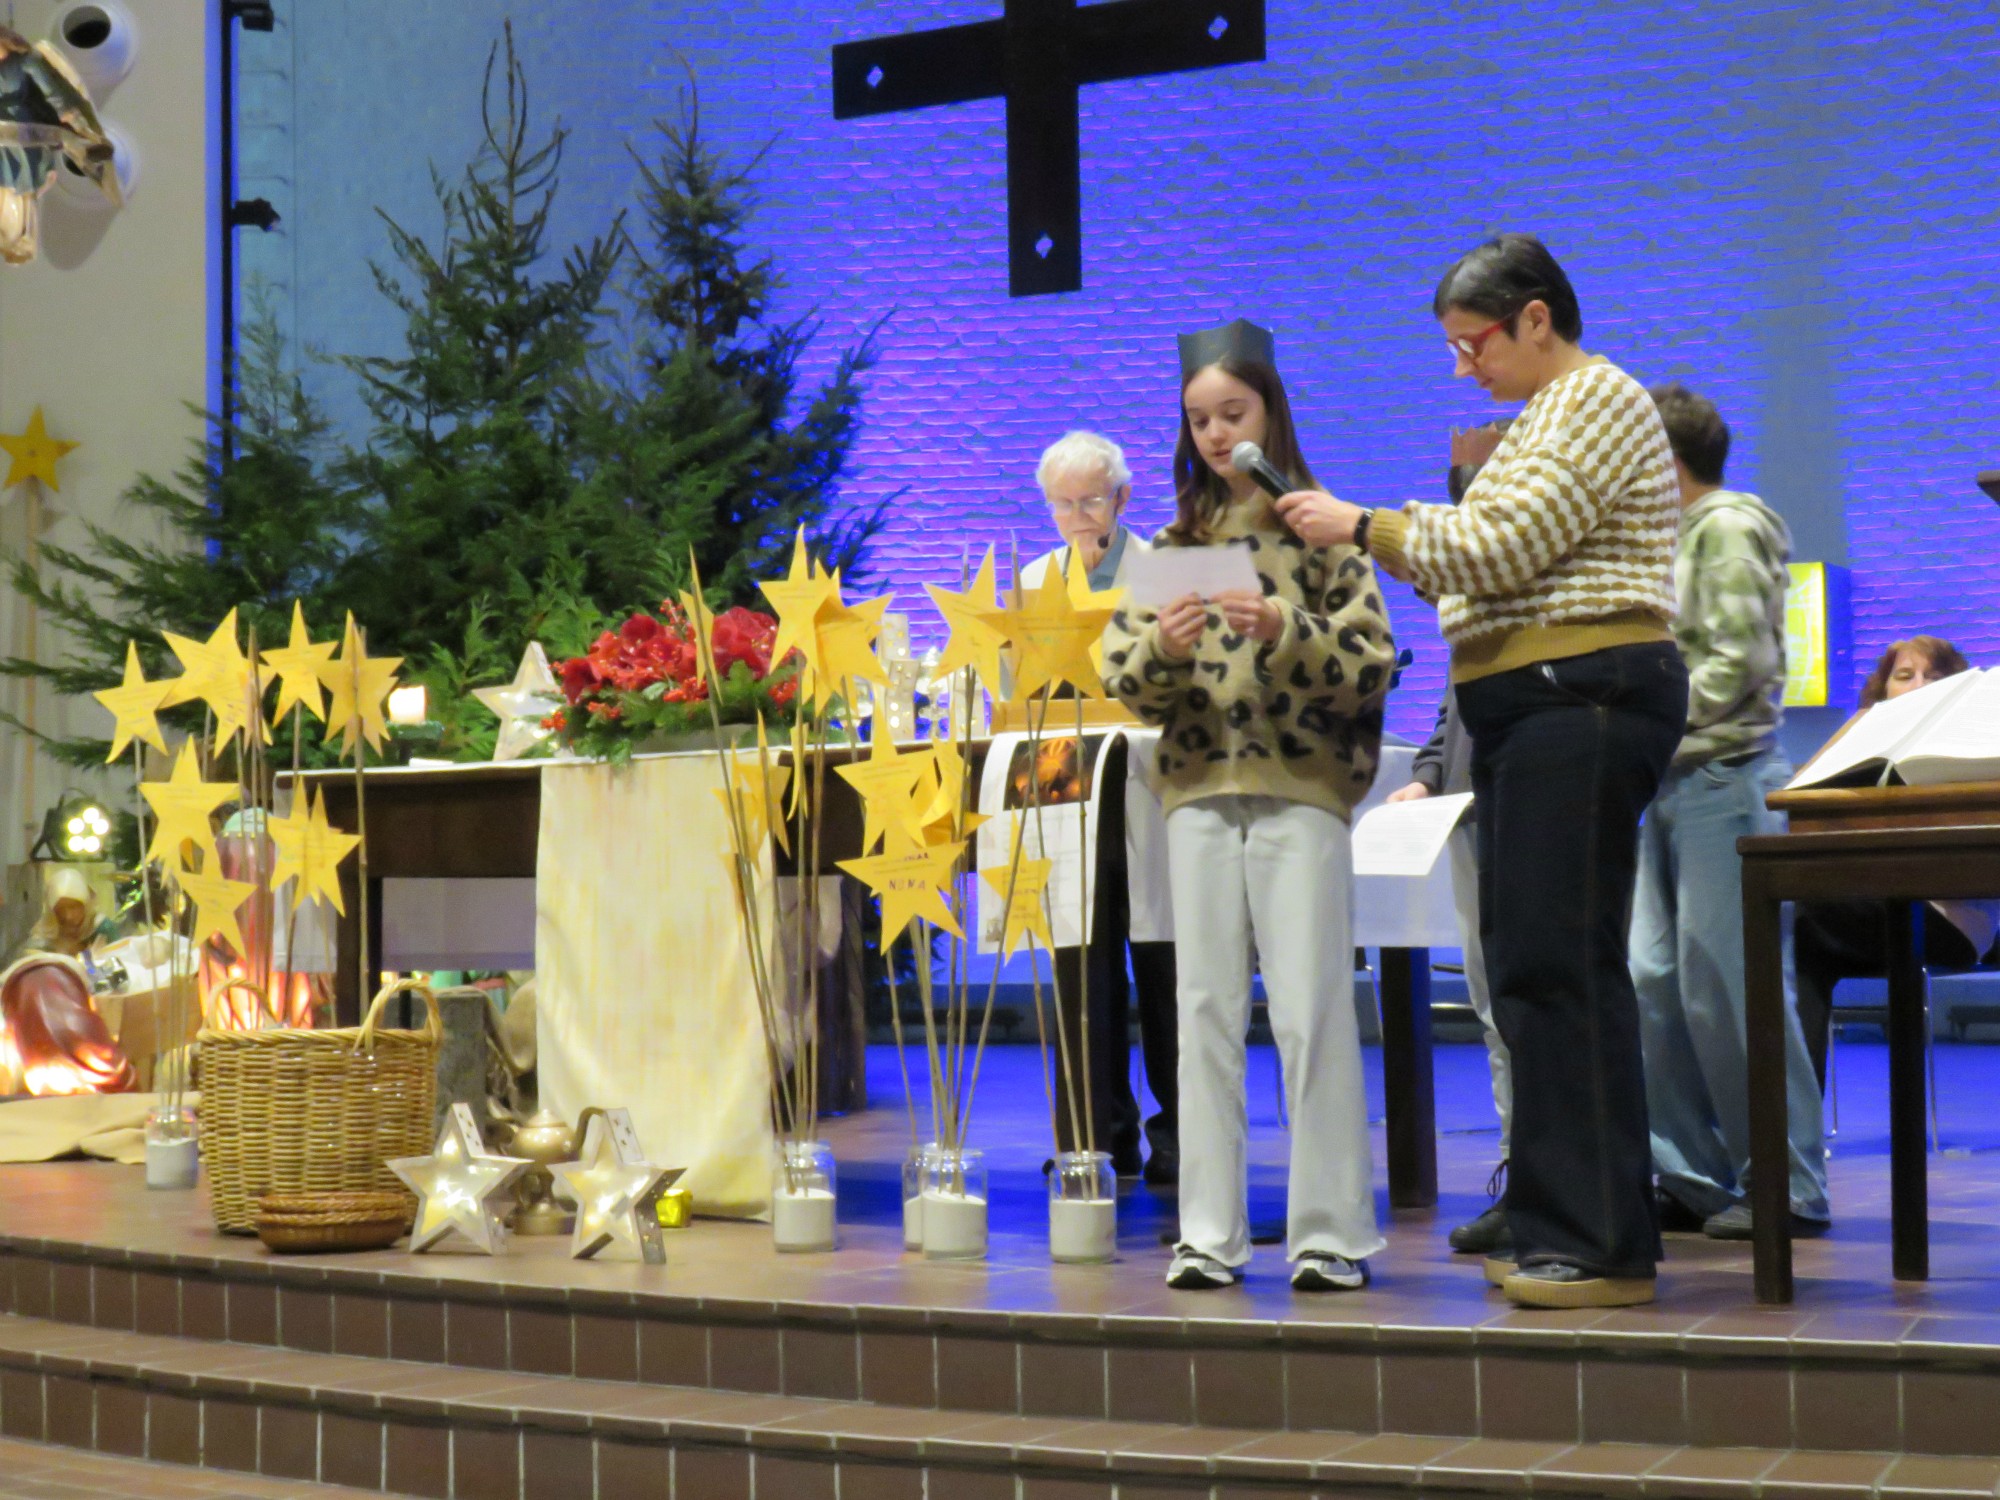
(1090, 505)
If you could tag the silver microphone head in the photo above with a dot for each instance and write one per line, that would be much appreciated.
(1245, 456)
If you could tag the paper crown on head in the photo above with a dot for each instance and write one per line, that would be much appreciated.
(1240, 338)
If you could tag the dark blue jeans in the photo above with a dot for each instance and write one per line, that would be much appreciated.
(1565, 757)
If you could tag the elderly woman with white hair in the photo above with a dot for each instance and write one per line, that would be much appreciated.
(1085, 480)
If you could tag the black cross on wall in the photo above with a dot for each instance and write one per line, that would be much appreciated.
(1037, 57)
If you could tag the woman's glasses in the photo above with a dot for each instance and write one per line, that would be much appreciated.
(1468, 346)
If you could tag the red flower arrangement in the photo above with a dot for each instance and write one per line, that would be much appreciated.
(643, 680)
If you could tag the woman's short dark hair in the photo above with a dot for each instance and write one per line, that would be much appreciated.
(1699, 436)
(1944, 658)
(1502, 276)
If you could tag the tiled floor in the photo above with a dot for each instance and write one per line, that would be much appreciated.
(1844, 1283)
(37, 1471)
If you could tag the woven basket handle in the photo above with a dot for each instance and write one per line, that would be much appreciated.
(434, 1030)
(262, 997)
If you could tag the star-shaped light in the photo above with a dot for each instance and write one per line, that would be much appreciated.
(358, 687)
(887, 783)
(310, 849)
(460, 1186)
(1027, 913)
(301, 667)
(134, 703)
(615, 1189)
(1087, 599)
(911, 884)
(216, 900)
(522, 704)
(976, 638)
(183, 804)
(760, 786)
(1054, 638)
(33, 454)
(218, 673)
(797, 599)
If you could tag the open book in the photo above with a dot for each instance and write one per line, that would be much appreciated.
(1944, 732)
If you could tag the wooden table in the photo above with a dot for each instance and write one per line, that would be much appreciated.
(1897, 845)
(482, 822)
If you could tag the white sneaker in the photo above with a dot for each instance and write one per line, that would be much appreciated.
(1323, 1271)
(1192, 1271)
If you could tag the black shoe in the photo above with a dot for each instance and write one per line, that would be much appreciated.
(1558, 1285)
(1737, 1223)
(1485, 1234)
(1163, 1168)
(1125, 1161)
(1675, 1216)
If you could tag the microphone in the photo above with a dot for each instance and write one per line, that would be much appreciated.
(1248, 458)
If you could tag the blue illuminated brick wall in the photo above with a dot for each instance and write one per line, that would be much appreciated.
(1789, 206)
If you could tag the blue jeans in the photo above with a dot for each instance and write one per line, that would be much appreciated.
(1687, 966)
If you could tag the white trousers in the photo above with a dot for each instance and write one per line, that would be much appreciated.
(1464, 850)
(1278, 875)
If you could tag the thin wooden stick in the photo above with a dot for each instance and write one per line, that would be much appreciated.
(1086, 872)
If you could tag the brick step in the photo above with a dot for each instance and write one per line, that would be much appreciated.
(410, 1428)
(40, 1471)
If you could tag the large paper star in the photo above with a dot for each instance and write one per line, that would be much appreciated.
(216, 901)
(846, 640)
(615, 1189)
(522, 704)
(797, 599)
(460, 1186)
(301, 666)
(183, 804)
(134, 703)
(310, 849)
(218, 673)
(1087, 599)
(887, 783)
(33, 454)
(911, 884)
(759, 785)
(1027, 913)
(358, 687)
(941, 818)
(1054, 638)
(976, 638)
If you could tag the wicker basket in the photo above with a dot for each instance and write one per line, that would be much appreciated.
(290, 1111)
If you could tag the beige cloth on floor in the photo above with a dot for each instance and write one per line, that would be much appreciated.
(111, 1127)
(642, 977)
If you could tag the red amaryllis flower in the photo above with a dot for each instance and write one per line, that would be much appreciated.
(579, 678)
(744, 635)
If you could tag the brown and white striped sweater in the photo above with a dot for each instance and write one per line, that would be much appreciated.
(1563, 544)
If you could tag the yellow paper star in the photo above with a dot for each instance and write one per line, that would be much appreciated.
(887, 783)
(182, 804)
(760, 793)
(358, 687)
(798, 598)
(218, 673)
(216, 900)
(33, 454)
(301, 667)
(977, 638)
(1087, 599)
(310, 849)
(911, 885)
(941, 817)
(847, 637)
(134, 703)
(1027, 913)
(1054, 638)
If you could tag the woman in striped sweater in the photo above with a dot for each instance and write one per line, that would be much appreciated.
(1554, 584)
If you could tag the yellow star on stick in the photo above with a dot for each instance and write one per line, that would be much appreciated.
(134, 703)
(218, 673)
(301, 667)
(1054, 638)
(216, 900)
(846, 640)
(911, 885)
(887, 783)
(940, 816)
(977, 638)
(358, 688)
(798, 598)
(702, 618)
(310, 849)
(183, 804)
(1027, 913)
(1087, 599)
(33, 454)
(760, 792)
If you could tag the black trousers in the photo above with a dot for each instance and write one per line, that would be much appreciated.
(1565, 757)
(1836, 940)
(1115, 1126)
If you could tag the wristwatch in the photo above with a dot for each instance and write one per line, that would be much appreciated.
(1361, 529)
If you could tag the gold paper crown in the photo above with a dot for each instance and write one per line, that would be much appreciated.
(1240, 339)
